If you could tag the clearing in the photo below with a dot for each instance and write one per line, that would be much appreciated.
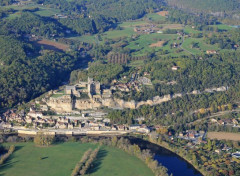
(51, 45)
(224, 136)
(61, 159)
(163, 13)
(158, 44)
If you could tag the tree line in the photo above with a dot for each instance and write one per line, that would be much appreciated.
(124, 144)
(86, 162)
(121, 58)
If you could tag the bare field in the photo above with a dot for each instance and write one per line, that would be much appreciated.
(51, 45)
(162, 13)
(158, 44)
(172, 26)
(224, 135)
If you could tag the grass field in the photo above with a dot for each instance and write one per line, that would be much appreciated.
(59, 160)
(224, 135)
(144, 41)
(190, 30)
(133, 23)
(47, 12)
(170, 26)
(202, 45)
(85, 38)
(155, 17)
(142, 45)
(223, 27)
(125, 32)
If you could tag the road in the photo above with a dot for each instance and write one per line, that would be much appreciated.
(183, 48)
(214, 115)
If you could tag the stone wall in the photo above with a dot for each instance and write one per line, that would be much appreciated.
(87, 104)
(61, 104)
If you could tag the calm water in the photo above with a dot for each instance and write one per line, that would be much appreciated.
(175, 165)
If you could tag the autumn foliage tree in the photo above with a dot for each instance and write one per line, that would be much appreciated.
(44, 140)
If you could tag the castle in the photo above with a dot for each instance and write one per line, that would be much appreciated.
(84, 95)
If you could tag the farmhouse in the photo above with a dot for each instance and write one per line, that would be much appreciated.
(211, 52)
(35, 114)
(175, 68)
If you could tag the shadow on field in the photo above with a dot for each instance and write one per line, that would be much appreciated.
(9, 163)
(97, 163)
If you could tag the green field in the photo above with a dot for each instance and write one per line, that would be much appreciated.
(48, 12)
(59, 160)
(86, 38)
(222, 27)
(202, 45)
(190, 30)
(125, 32)
(141, 45)
(143, 42)
(133, 23)
(155, 17)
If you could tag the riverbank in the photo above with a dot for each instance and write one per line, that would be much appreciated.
(166, 146)
(166, 156)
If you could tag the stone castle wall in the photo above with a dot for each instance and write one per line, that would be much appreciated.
(87, 104)
(61, 104)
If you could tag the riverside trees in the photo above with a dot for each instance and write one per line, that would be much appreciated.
(124, 144)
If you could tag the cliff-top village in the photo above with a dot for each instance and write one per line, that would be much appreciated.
(75, 109)
(78, 109)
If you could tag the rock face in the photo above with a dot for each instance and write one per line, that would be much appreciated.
(86, 104)
(61, 104)
(118, 103)
(67, 104)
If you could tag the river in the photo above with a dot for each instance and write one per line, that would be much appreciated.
(175, 164)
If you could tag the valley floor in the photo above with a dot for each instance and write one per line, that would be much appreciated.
(61, 159)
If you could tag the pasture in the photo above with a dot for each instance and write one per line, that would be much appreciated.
(61, 159)
(202, 46)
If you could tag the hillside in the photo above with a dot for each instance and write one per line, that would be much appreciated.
(206, 5)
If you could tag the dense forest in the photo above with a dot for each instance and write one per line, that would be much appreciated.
(177, 112)
(225, 40)
(4, 12)
(6, 2)
(88, 17)
(227, 11)
(206, 5)
(30, 23)
(193, 74)
(187, 18)
(25, 75)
